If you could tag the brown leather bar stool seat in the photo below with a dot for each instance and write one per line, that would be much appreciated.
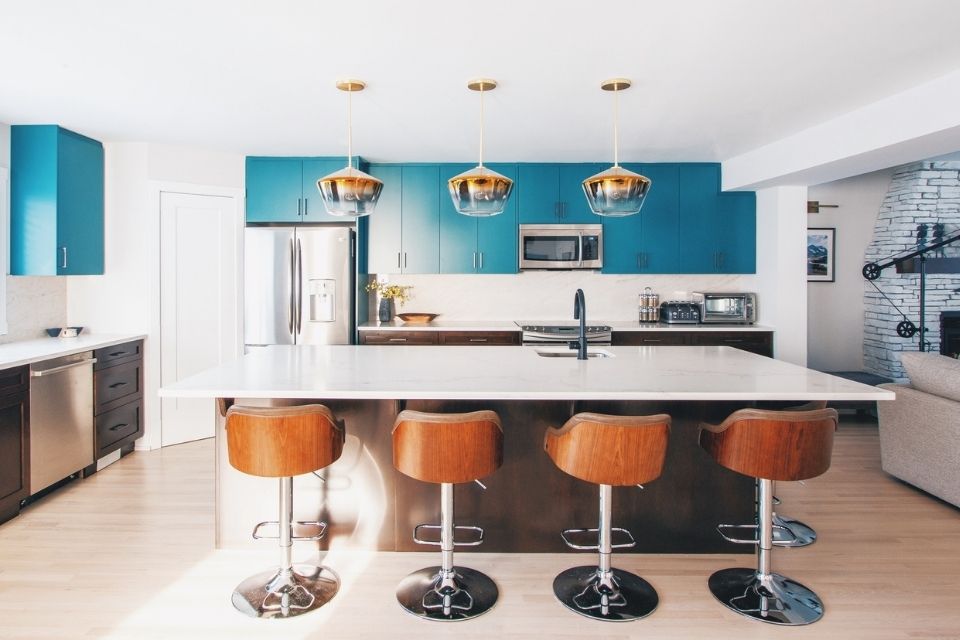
(769, 446)
(609, 451)
(282, 442)
(446, 449)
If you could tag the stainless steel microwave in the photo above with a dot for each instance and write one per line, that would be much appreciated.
(561, 246)
(731, 308)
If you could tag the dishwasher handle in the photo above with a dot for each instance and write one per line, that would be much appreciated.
(48, 372)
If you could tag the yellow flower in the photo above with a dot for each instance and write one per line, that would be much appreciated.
(397, 292)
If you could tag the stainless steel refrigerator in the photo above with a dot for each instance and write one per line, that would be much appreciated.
(298, 285)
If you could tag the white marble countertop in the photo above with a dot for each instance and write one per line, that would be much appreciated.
(15, 354)
(508, 325)
(515, 373)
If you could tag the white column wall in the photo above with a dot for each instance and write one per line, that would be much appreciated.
(781, 269)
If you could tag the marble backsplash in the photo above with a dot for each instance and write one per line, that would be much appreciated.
(548, 295)
(33, 304)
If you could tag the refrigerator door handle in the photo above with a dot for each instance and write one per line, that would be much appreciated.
(292, 307)
(299, 287)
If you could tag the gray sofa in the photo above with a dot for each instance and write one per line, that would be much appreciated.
(920, 430)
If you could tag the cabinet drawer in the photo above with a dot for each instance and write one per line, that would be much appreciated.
(13, 380)
(119, 383)
(116, 425)
(479, 338)
(760, 342)
(398, 337)
(652, 338)
(109, 356)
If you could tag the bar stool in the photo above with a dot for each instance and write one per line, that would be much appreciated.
(768, 446)
(282, 442)
(787, 531)
(445, 449)
(608, 451)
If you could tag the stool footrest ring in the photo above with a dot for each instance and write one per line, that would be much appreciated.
(596, 547)
(787, 538)
(321, 528)
(436, 543)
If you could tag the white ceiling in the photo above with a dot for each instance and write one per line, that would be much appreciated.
(712, 79)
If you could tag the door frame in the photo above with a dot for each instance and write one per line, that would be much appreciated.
(153, 348)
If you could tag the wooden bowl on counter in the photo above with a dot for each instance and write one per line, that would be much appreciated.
(417, 318)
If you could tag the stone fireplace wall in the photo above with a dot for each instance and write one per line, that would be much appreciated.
(922, 193)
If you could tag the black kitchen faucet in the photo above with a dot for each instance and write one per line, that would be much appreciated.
(580, 313)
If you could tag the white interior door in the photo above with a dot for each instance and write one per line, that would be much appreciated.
(199, 302)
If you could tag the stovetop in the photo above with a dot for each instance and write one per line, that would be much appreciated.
(559, 326)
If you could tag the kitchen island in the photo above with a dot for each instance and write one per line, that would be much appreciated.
(528, 501)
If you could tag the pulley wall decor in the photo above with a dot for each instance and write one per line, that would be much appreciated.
(350, 192)
(480, 192)
(616, 192)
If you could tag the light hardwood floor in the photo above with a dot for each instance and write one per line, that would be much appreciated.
(128, 554)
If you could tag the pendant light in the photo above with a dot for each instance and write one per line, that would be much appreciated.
(616, 192)
(350, 192)
(480, 192)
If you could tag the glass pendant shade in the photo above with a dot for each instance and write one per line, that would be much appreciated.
(616, 192)
(480, 192)
(349, 192)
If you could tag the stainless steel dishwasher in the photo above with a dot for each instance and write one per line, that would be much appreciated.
(61, 418)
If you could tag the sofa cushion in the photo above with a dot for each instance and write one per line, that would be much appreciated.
(933, 373)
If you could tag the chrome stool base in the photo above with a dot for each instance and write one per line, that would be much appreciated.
(629, 597)
(775, 599)
(273, 595)
(468, 594)
(803, 535)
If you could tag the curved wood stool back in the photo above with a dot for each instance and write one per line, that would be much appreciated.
(280, 442)
(769, 445)
(773, 445)
(447, 447)
(616, 450)
(609, 451)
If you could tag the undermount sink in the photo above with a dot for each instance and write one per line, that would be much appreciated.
(565, 352)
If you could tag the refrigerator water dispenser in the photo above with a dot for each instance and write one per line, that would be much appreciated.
(323, 298)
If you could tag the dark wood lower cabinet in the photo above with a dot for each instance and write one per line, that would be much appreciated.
(118, 398)
(14, 440)
(759, 342)
(448, 338)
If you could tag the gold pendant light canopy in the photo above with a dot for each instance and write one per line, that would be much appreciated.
(349, 191)
(480, 192)
(616, 192)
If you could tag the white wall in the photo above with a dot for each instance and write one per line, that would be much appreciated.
(127, 297)
(835, 309)
(548, 295)
(781, 269)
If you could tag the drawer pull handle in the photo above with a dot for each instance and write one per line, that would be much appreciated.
(116, 385)
(398, 339)
(117, 427)
(478, 339)
(114, 354)
(651, 340)
(733, 339)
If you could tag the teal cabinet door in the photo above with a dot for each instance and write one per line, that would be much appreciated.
(660, 216)
(383, 226)
(574, 208)
(80, 205)
(274, 189)
(313, 170)
(537, 193)
(57, 200)
(737, 246)
(623, 244)
(420, 221)
(458, 233)
(497, 236)
(699, 190)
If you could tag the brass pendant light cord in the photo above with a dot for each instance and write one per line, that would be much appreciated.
(616, 128)
(349, 129)
(481, 125)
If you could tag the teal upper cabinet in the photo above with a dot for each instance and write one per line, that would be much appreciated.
(574, 208)
(477, 244)
(56, 202)
(404, 230)
(553, 193)
(648, 242)
(718, 230)
(285, 189)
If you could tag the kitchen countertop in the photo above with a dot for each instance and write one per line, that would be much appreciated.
(515, 373)
(15, 354)
(508, 325)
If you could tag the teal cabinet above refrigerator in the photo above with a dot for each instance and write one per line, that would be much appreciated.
(56, 202)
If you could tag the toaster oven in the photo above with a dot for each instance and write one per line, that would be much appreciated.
(727, 308)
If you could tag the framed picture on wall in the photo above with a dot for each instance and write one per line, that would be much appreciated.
(821, 246)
